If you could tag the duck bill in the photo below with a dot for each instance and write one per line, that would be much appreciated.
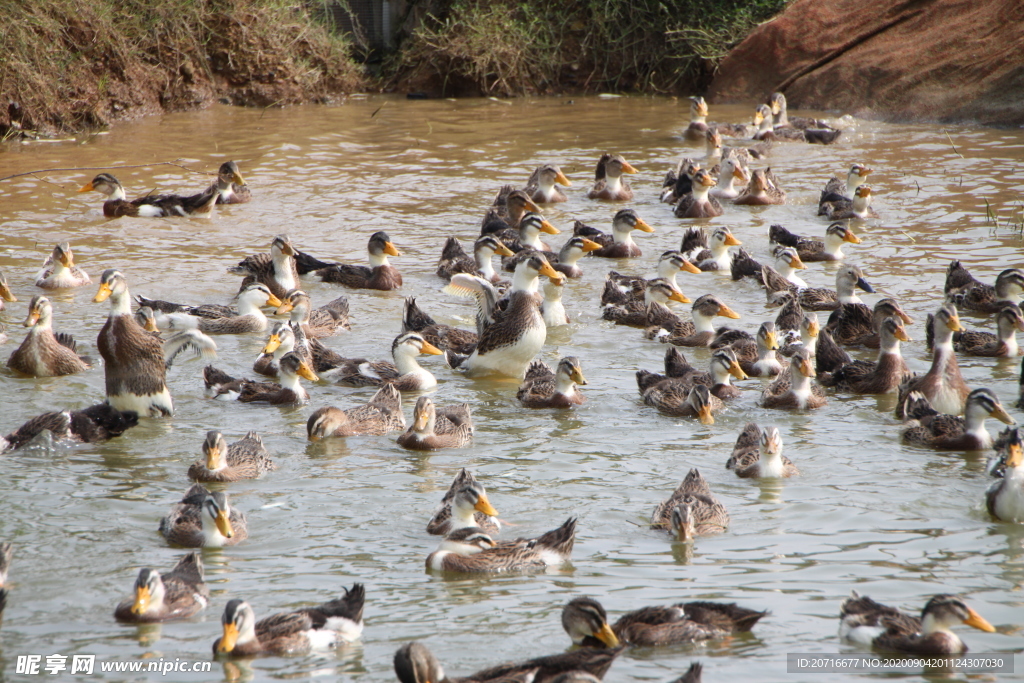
(142, 599)
(578, 377)
(104, 292)
(6, 293)
(532, 206)
(727, 312)
(32, 319)
(679, 296)
(502, 250)
(739, 173)
(771, 340)
(736, 371)
(283, 307)
(851, 238)
(607, 636)
(954, 324)
(705, 416)
(590, 245)
(287, 249)
(483, 505)
(1015, 455)
(421, 422)
(67, 259)
(224, 524)
(776, 107)
(758, 118)
(430, 349)
(549, 272)
(274, 301)
(979, 622)
(237, 178)
(228, 640)
(684, 533)
(902, 335)
(1000, 414)
(273, 344)
(690, 268)
(807, 368)
(642, 225)
(865, 285)
(88, 187)
(212, 457)
(628, 168)
(796, 264)
(731, 241)
(814, 329)
(150, 325)
(864, 172)
(907, 320)
(390, 249)
(548, 228)
(307, 372)
(562, 180)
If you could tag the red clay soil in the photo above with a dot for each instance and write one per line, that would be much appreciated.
(909, 60)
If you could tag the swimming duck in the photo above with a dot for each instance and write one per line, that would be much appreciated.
(564, 261)
(847, 278)
(708, 254)
(284, 338)
(1001, 345)
(795, 390)
(379, 275)
(59, 270)
(620, 243)
(231, 187)
(1005, 497)
(204, 520)
(525, 237)
(133, 360)
(150, 205)
(681, 400)
(698, 204)
(317, 323)
(433, 429)
(471, 551)
(250, 318)
(90, 425)
(942, 385)
(969, 294)
(178, 594)
(632, 311)
(444, 337)
(810, 250)
(464, 505)
(723, 368)
(790, 317)
(276, 270)
(670, 328)
(754, 356)
(858, 207)
(809, 331)
(758, 454)
(691, 510)
(698, 129)
(543, 388)
(716, 153)
(763, 189)
(678, 180)
(551, 307)
(508, 339)
(406, 374)
(43, 353)
(868, 623)
(381, 415)
(541, 187)
(246, 458)
(927, 427)
(838, 190)
(455, 260)
(5, 291)
(224, 387)
(733, 171)
(311, 628)
(608, 181)
(633, 287)
(787, 261)
(586, 622)
(414, 663)
(774, 120)
(881, 377)
(858, 325)
(777, 102)
(507, 211)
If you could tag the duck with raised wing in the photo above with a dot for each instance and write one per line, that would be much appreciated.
(691, 510)
(543, 388)
(179, 342)
(204, 520)
(381, 415)
(43, 353)
(246, 458)
(608, 181)
(59, 270)
(150, 205)
(758, 455)
(811, 250)
(179, 594)
(444, 337)
(436, 428)
(925, 426)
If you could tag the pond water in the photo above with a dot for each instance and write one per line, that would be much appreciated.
(894, 522)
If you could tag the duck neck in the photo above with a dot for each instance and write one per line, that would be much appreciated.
(834, 246)
(211, 534)
(702, 323)
(483, 263)
(118, 194)
(569, 255)
(725, 183)
(525, 280)
(720, 375)
(713, 151)
(782, 118)
(700, 193)
(283, 271)
(377, 260)
(766, 354)
(120, 303)
(853, 181)
(44, 324)
(622, 235)
(247, 306)
(462, 517)
(1008, 335)
(613, 183)
(860, 204)
(564, 385)
(291, 381)
(845, 294)
(405, 362)
(286, 347)
(974, 420)
(888, 345)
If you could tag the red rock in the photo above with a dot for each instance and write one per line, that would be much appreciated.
(910, 60)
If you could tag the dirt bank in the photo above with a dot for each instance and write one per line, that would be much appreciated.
(910, 60)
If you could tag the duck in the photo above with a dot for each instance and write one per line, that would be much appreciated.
(699, 203)
(698, 129)
(885, 375)
(848, 277)
(709, 254)
(678, 180)
(810, 329)
(1004, 499)
(204, 520)
(718, 379)
(6, 295)
(680, 399)
(787, 261)
(311, 628)
(942, 385)
(633, 286)
(691, 510)
(381, 415)
(762, 190)
(838, 190)
(871, 624)
(565, 261)
(150, 205)
(551, 307)
(464, 505)
(925, 426)
(317, 323)
(622, 309)
(285, 337)
(756, 356)
(812, 250)
(542, 185)
(455, 260)
(230, 185)
(543, 388)
(586, 622)
(790, 318)
(59, 270)
(858, 325)
(1002, 345)
(250, 318)
(179, 594)
(379, 275)
(716, 153)
(733, 171)
(433, 429)
(771, 129)
(608, 181)
(510, 338)
(795, 390)
(780, 117)
(758, 455)
(671, 329)
(444, 337)
(415, 663)
(620, 243)
(100, 422)
(406, 374)
(857, 207)
(43, 353)
(969, 294)
(277, 270)
(471, 551)
(133, 360)
(179, 342)
(507, 211)
(223, 387)
(246, 458)
(525, 237)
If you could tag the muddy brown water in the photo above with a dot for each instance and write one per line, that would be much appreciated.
(894, 522)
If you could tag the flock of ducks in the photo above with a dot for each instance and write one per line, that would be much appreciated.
(515, 303)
